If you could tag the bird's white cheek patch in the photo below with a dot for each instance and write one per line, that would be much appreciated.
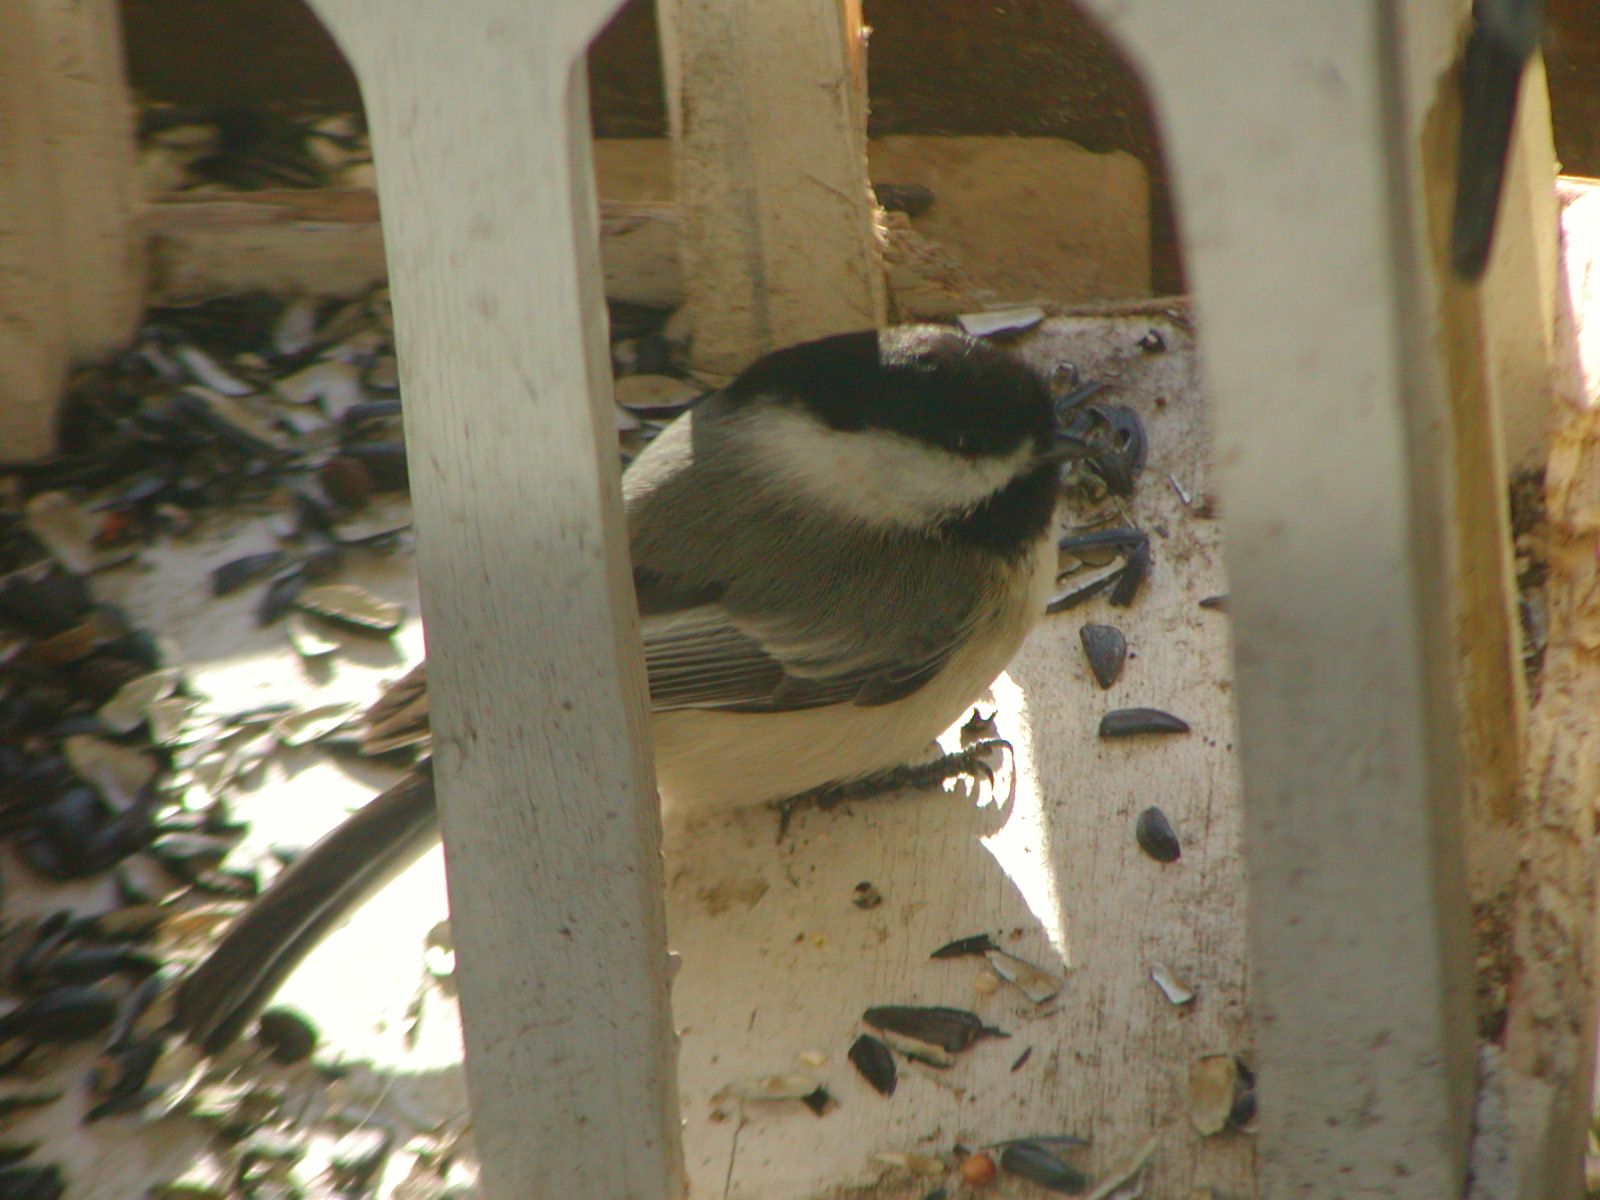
(876, 477)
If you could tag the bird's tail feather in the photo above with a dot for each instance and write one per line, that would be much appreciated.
(315, 892)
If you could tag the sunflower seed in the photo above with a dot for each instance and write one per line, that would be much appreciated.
(292, 333)
(1001, 321)
(296, 729)
(307, 640)
(950, 1029)
(1080, 593)
(977, 944)
(280, 596)
(925, 1053)
(130, 707)
(241, 572)
(1129, 722)
(1106, 650)
(872, 1058)
(167, 718)
(205, 370)
(1131, 577)
(118, 773)
(1032, 1160)
(770, 1087)
(1170, 986)
(68, 532)
(1037, 984)
(1156, 837)
(1212, 1081)
(351, 605)
(656, 393)
(335, 385)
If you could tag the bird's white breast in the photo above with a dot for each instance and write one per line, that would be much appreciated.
(708, 760)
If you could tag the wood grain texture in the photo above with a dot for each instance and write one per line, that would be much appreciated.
(1519, 287)
(1300, 201)
(779, 964)
(33, 328)
(89, 126)
(769, 120)
(480, 137)
(1549, 1038)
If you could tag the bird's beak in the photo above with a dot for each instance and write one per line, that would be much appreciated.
(1066, 449)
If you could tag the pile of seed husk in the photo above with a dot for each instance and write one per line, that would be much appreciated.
(195, 149)
(118, 778)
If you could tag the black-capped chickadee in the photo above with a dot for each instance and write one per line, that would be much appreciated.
(834, 556)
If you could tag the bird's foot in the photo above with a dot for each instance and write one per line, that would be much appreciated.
(971, 762)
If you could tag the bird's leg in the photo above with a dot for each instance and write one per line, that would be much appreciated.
(968, 762)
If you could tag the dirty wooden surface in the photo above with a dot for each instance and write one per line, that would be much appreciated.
(778, 963)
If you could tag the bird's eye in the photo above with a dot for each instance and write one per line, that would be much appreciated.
(965, 443)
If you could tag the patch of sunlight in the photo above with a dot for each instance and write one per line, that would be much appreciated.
(367, 987)
(1021, 846)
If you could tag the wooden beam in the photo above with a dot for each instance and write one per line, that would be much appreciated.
(33, 332)
(89, 127)
(768, 108)
(1301, 205)
(1547, 1075)
(479, 121)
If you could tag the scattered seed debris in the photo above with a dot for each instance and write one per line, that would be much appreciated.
(1034, 982)
(351, 605)
(1107, 651)
(1022, 1060)
(1130, 722)
(1034, 1159)
(917, 1050)
(975, 946)
(1212, 1083)
(1156, 837)
(872, 1059)
(1001, 321)
(1171, 987)
(951, 1029)
(977, 1170)
(867, 896)
(1124, 1173)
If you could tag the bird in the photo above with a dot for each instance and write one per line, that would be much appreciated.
(833, 555)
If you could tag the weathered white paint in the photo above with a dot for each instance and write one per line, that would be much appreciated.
(33, 336)
(89, 127)
(1295, 140)
(768, 105)
(479, 124)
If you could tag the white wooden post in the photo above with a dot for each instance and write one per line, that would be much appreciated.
(1296, 137)
(768, 105)
(480, 134)
(33, 337)
(71, 242)
(97, 200)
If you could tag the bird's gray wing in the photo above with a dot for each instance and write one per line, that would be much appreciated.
(699, 654)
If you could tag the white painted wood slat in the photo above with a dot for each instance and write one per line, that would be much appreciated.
(1300, 202)
(480, 136)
